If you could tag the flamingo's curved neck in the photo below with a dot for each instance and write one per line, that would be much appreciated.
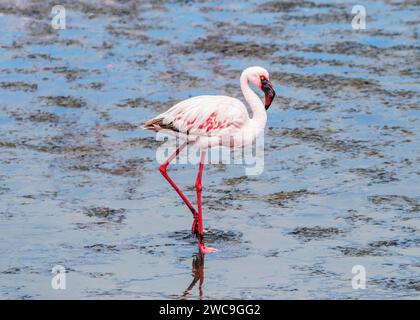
(259, 115)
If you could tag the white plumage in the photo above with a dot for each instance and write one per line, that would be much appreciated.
(213, 118)
(203, 116)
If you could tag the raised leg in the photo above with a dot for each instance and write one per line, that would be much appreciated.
(199, 188)
(162, 170)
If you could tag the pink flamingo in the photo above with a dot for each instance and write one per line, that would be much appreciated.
(211, 120)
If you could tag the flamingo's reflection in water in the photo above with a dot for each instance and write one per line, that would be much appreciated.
(198, 276)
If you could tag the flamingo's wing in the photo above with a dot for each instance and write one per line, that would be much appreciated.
(203, 115)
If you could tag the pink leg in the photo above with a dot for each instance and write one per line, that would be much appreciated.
(163, 168)
(199, 188)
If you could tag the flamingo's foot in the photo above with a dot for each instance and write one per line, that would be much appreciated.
(204, 249)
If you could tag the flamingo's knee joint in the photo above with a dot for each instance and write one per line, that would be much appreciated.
(198, 186)
(162, 168)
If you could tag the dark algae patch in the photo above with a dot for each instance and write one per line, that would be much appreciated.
(7, 144)
(104, 213)
(63, 101)
(327, 82)
(227, 47)
(360, 252)
(327, 139)
(100, 247)
(121, 126)
(141, 102)
(392, 283)
(397, 202)
(282, 198)
(376, 175)
(380, 247)
(285, 6)
(43, 117)
(146, 142)
(18, 86)
(237, 180)
(315, 233)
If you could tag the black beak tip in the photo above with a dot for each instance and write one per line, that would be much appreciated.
(269, 92)
(269, 99)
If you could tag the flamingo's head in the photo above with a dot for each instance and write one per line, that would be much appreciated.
(261, 79)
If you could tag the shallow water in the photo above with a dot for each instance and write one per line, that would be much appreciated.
(79, 184)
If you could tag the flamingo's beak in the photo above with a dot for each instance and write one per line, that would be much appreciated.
(269, 92)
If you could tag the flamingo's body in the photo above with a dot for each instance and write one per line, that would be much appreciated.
(215, 120)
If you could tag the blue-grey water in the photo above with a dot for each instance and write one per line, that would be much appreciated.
(79, 185)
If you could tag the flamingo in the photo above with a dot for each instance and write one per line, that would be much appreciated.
(210, 120)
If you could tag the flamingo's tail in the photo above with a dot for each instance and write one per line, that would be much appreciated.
(153, 124)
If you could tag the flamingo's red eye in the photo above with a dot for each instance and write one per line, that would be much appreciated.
(263, 78)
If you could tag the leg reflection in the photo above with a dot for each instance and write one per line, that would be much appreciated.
(198, 275)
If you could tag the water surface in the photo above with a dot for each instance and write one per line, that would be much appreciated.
(79, 184)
